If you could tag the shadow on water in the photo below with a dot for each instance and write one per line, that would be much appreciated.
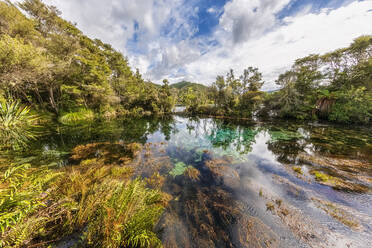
(247, 184)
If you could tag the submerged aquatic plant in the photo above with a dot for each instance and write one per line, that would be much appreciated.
(284, 135)
(319, 176)
(155, 181)
(95, 200)
(249, 135)
(338, 213)
(179, 169)
(192, 173)
(79, 117)
(223, 137)
(297, 169)
(16, 125)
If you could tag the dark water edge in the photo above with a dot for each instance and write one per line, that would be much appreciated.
(255, 184)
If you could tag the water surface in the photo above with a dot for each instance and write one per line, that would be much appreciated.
(242, 184)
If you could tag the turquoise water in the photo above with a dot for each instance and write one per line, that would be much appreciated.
(241, 184)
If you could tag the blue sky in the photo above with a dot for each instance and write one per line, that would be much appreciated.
(198, 40)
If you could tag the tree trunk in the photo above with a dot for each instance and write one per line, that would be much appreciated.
(324, 107)
(52, 100)
(40, 99)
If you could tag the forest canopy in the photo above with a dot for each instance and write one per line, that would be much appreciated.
(50, 64)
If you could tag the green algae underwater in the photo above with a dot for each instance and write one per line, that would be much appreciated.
(189, 182)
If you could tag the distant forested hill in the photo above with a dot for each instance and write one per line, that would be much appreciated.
(185, 84)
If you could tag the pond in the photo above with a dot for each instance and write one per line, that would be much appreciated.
(245, 184)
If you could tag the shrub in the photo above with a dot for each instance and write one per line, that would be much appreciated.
(352, 106)
(17, 125)
(22, 194)
(127, 218)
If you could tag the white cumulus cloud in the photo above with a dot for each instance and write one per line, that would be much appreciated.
(249, 33)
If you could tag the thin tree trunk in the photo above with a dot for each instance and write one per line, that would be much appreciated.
(40, 99)
(25, 96)
(51, 99)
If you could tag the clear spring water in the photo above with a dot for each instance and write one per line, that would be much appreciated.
(259, 184)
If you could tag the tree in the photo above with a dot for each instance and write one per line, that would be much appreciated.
(192, 99)
(335, 86)
(251, 79)
(238, 96)
(49, 63)
(166, 98)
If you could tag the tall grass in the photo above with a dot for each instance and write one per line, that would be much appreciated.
(78, 117)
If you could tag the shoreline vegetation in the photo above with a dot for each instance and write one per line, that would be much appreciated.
(50, 72)
(52, 67)
(334, 87)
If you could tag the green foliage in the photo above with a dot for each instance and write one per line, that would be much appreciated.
(228, 96)
(336, 86)
(192, 99)
(49, 63)
(185, 85)
(73, 118)
(127, 218)
(14, 24)
(354, 105)
(238, 96)
(22, 193)
(18, 57)
(166, 98)
(16, 125)
(43, 204)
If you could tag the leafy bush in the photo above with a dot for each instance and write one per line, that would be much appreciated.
(17, 125)
(353, 106)
(22, 193)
